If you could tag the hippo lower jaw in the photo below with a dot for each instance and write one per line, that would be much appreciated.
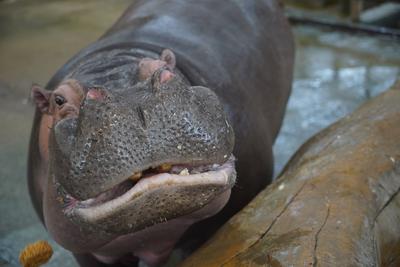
(152, 200)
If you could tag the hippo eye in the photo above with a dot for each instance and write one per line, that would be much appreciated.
(60, 100)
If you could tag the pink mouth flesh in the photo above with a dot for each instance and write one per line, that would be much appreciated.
(122, 188)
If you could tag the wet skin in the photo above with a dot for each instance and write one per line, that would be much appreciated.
(133, 143)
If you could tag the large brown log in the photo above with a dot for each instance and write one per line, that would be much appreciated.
(337, 202)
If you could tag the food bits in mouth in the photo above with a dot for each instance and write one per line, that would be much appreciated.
(164, 167)
(136, 176)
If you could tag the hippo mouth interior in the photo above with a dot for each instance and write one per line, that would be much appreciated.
(213, 179)
(152, 177)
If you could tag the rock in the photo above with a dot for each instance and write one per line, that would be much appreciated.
(337, 202)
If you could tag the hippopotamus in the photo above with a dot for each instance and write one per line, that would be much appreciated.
(155, 134)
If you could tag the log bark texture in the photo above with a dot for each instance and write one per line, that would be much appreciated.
(337, 202)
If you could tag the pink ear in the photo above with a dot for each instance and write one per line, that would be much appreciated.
(148, 66)
(41, 97)
(169, 57)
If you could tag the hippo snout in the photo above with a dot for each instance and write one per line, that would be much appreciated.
(131, 131)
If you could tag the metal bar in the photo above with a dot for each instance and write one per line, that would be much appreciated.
(345, 26)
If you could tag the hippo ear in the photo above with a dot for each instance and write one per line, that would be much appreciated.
(41, 97)
(148, 66)
(169, 57)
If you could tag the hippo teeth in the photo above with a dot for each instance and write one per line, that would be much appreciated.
(185, 171)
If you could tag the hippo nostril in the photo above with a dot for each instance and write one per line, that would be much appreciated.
(166, 76)
(161, 76)
(96, 94)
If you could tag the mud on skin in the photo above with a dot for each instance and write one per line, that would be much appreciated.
(134, 137)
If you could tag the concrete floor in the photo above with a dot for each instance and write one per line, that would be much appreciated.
(334, 74)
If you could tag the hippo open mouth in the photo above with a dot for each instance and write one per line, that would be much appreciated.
(173, 191)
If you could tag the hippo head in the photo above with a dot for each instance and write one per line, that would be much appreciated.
(128, 159)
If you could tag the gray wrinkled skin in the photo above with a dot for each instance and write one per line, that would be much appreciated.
(139, 127)
(140, 212)
(137, 121)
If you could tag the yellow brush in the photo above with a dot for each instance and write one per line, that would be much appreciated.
(36, 254)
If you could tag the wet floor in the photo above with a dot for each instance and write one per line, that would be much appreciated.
(334, 73)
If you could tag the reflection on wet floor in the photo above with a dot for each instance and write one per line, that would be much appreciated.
(334, 74)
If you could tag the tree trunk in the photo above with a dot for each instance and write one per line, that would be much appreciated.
(337, 202)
